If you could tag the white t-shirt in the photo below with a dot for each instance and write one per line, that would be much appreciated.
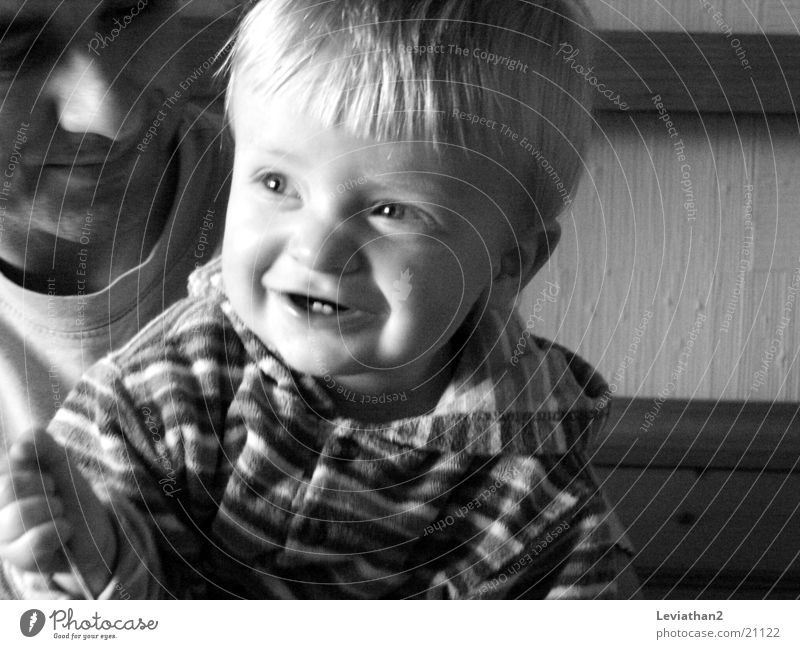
(47, 341)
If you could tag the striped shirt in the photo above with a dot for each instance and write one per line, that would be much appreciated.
(232, 476)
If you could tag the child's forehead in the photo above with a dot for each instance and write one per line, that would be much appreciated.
(386, 112)
(283, 120)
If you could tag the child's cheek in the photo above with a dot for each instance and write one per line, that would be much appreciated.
(432, 304)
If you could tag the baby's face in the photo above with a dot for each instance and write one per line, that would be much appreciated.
(356, 258)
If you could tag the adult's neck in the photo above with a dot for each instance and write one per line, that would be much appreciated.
(104, 242)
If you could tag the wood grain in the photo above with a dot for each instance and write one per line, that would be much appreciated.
(700, 72)
(717, 534)
(629, 248)
(743, 16)
(701, 436)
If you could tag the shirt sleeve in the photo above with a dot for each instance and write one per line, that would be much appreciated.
(135, 575)
(137, 465)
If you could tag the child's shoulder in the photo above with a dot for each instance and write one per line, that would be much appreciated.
(519, 394)
(194, 327)
(585, 375)
(530, 373)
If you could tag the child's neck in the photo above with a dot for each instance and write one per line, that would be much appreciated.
(364, 398)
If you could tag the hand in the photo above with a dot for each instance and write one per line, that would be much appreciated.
(46, 504)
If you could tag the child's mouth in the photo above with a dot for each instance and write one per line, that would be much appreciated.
(317, 312)
(316, 305)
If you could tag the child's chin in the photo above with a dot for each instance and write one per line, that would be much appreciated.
(313, 361)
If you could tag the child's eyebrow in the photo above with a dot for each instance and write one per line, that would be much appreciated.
(420, 185)
(284, 155)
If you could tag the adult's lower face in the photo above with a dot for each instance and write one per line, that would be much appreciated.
(90, 100)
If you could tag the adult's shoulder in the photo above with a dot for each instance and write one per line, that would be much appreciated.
(203, 119)
(202, 141)
(193, 330)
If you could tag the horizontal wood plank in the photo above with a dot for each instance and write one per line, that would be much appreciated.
(701, 435)
(696, 71)
(700, 72)
(737, 532)
(714, 16)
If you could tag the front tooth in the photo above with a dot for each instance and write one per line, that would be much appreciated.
(319, 307)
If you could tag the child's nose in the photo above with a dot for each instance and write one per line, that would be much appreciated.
(326, 246)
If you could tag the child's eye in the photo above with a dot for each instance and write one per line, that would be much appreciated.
(274, 183)
(393, 211)
(404, 215)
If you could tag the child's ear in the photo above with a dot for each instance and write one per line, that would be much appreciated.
(522, 260)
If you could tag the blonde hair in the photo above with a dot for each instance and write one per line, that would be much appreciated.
(397, 70)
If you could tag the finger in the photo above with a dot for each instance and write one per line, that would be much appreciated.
(23, 450)
(27, 513)
(36, 451)
(21, 484)
(54, 460)
(36, 445)
(39, 549)
(22, 456)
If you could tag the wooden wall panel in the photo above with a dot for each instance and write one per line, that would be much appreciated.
(701, 435)
(630, 247)
(715, 534)
(698, 72)
(743, 16)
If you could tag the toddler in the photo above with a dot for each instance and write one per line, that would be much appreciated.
(334, 411)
